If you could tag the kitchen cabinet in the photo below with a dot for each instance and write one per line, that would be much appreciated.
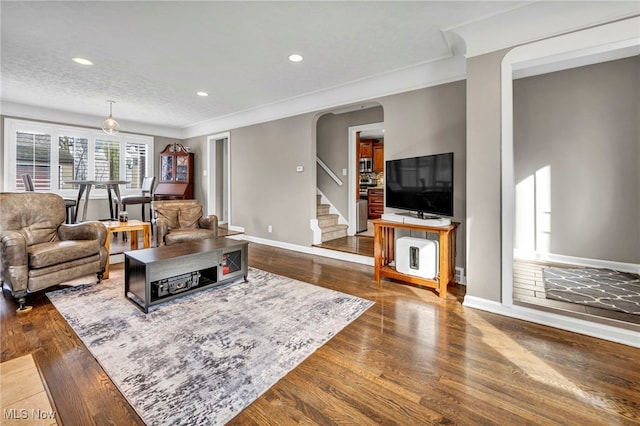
(378, 158)
(176, 174)
(376, 203)
(366, 148)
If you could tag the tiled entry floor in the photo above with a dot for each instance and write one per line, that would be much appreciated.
(528, 290)
(23, 396)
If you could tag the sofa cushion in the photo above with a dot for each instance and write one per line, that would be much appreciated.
(66, 267)
(188, 234)
(48, 254)
(189, 216)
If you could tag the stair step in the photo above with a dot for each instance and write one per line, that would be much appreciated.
(322, 209)
(333, 232)
(327, 220)
(337, 227)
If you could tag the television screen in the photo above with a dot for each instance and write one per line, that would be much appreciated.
(421, 184)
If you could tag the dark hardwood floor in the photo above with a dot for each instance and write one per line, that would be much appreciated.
(410, 359)
(528, 287)
(361, 245)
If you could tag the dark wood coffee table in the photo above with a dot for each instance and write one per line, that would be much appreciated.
(157, 275)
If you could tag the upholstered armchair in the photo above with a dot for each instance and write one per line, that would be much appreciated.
(182, 220)
(38, 250)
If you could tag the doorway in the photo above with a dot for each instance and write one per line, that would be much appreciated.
(615, 37)
(218, 175)
(356, 133)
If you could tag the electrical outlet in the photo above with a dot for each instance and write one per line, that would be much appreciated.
(270, 228)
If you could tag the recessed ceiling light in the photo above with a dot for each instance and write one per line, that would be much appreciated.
(295, 57)
(82, 61)
(203, 94)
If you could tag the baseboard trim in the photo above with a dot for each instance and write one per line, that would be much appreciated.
(573, 260)
(235, 228)
(333, 254)
(575, 325)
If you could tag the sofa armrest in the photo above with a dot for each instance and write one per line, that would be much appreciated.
(13, 248)
(161, 229)
(209, 222)
(13, 261)
(93, 230)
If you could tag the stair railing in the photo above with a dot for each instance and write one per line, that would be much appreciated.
(330, 172)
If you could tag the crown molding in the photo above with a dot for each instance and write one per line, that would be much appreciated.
(412, 78)
(522, 24)
(536, 21)
(32, 112)
(415, 77)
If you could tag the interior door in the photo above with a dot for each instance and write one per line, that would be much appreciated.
(219, 164)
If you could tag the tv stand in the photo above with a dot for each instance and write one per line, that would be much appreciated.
(384, 254)
(416, 219)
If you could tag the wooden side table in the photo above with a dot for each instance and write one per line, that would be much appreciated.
(132, 226)
(384, 254)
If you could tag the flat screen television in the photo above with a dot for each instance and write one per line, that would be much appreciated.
(421, 184)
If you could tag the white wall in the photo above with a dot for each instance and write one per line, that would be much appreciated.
(484, 177)
(576, 142)
(266, 189)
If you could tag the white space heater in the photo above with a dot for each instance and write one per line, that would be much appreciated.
(417, 256)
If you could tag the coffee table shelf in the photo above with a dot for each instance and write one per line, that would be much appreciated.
(157, 275)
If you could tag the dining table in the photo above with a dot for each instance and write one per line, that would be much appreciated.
(84, 188)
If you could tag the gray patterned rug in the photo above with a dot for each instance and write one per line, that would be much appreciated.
(203, 358)
(601, 288)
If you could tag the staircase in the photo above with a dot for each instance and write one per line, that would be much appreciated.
(328, 222)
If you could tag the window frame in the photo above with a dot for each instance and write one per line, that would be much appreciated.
(12, 126)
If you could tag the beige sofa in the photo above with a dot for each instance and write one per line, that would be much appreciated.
(38, 250)
(182, 220)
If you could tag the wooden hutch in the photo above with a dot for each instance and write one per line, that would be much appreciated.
(176, 174)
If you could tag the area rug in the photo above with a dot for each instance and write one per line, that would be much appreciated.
(203, 358)
(601, 288)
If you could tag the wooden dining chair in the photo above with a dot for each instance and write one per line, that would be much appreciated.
(145, 197)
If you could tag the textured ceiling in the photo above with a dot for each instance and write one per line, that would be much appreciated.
(151, 57)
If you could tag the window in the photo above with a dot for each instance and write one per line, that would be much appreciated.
(73, 155)
(135, 163)
(80, 154)
(107, 160)
(33, 156)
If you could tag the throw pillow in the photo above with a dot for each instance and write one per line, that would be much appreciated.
(188, 217)
(170, 215)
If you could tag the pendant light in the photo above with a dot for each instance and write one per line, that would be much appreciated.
(110, 126)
